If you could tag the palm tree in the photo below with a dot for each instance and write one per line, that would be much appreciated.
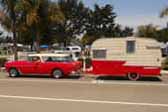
(38, 14)
(164, 12)
(34, 17)
(10, 14)
(29, 10)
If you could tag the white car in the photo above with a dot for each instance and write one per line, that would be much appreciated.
(75, 51)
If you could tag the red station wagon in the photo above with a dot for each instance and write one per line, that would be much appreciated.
(56, 65)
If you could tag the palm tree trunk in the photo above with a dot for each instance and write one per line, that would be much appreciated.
(14, 39)
(38, 42)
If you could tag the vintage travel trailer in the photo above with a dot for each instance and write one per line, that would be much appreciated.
(131, 56)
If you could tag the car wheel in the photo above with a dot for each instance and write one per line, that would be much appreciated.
(133, 76)
(57, 74)
(13, 72)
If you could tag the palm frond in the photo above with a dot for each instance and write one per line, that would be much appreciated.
(164, 12)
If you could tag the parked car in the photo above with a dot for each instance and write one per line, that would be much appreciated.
(56, 65)
(75, 51)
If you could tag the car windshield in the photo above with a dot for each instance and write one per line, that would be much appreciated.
(57, 59)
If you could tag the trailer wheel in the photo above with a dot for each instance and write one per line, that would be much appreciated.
(133, 76)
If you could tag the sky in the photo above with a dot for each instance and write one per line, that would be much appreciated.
(135, 12)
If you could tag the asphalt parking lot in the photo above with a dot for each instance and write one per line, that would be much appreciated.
(78, 94)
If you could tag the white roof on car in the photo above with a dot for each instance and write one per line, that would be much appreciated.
(50, 54)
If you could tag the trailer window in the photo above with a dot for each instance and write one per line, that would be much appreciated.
(100, 53)
(130, 47)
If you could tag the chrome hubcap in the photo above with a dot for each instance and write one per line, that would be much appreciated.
(133, 76)
(13, 73)
(57, 74)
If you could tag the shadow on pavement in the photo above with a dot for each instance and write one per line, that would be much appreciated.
(156, 79)
(49, 77)
(72, 77)
(43, 77)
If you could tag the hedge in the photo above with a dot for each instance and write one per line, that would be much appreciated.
(165, 64)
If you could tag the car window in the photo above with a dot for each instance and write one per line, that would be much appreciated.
(75, 49)
(57, 59)
(67, 48)
(34, 58)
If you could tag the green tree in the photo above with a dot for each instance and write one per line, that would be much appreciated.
(101, 21)
(55, 19)
(127, 31)
(75, 19)
(122, 32)
(33, 14)
(164, 12)
(149, 31)
(9, 20)
(36, 19)
(118, 32)
(162, 35)
(1, 37)
(88, 39)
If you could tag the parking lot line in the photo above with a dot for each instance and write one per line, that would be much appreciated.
(82, 101)
(134, 83)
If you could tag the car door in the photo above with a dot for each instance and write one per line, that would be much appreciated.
(28, 67)
(32, 64)
(43, 68)
(47, 65)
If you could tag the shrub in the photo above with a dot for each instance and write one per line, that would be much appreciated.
(2, 61)
(165, 64)
(88, 62)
